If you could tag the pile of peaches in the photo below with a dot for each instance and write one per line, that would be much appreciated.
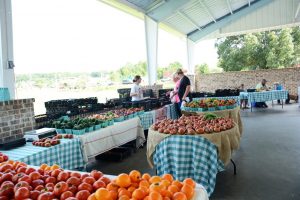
(19, 181)
(191, 125)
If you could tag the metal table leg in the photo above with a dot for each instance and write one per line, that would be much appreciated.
(234, 167)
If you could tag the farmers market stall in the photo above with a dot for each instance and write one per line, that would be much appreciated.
(104, 139)
(264, 96)
(68, 154)
(195, 146)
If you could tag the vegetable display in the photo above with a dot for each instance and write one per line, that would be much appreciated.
(191, 125)
(19, 181)
(212, 103)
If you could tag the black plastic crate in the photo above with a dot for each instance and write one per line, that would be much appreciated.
(163, 92)
(117, 154)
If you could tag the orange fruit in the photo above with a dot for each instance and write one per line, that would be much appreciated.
(124, 197)
(123, 180)
(47, 168)
(190, 182)
(131, 189)
(155, 187)
(144, 183)
(166, 193)
(55, 166)
(177, 183)
(9, 162)
(155, 179)
(103, 194)
(112, 186)
(138, 194)
(155, 196)
(136, 185)
(166, 198)
(43, 166)
(165, 183)
(145, 189)
(179, 196)
(173, 189)
(135, 176)
(168, 177)
(146, 198)
(92, 197)
(188, 191)
(113, 194)
(124, 192)
(146, 176)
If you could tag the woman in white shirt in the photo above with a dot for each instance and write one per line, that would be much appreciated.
(136, 91)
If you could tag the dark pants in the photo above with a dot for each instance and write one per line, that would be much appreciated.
(177, 107)
(261, 104)
(287, 101)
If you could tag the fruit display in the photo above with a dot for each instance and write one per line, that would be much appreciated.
(206, 104)
(19, 181)
(46, 142)
(191, 125)
(117, 113)
(63, 136)
(3, 157)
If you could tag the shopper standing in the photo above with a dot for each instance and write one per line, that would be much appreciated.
(183, 89)
(136, 91)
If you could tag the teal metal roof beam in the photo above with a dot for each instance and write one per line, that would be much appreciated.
(222, 21)
(165, 10)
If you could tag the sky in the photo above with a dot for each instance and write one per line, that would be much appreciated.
(87, 35)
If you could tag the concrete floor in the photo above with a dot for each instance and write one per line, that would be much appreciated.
(267, 162)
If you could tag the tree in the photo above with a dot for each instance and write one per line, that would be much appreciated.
(265, 50)
(202, 69)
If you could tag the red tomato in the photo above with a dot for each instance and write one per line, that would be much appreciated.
(21, 169)
(7, 189)
(85, 186)
(74, 181)
(25, 178)
(29, 170)
(75, 174)
(66, 195)
(39, 188)
(105, 180)
(99, 184)
(5, 167)
(90, 180)
(46, 196)
(83, 195)
(96, 174)
(6, 177)
(84, 176)
(55, 172)
(63, 176)
(50, 179)
(37, 182)
(72, 198)
(4, 198)
(41, 171)
(60, 188)
(21, 184)
(35, 175)
(73, 189)
(17, 176)
(34, 194)
(22, 193)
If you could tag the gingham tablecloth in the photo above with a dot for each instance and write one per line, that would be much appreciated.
(150, 117)
(188, 156)
(267, 95)
(67, 155)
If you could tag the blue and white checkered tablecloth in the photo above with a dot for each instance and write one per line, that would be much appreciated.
(149, 117)
(188, 156)
(267, 95)
(67, 155)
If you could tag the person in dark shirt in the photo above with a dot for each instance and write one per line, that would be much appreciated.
(184, 88)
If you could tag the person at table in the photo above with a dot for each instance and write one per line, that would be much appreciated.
(174, 94)
(259, 88)
(136, 91)
(244, 102)
(278, 86)
(183, 89)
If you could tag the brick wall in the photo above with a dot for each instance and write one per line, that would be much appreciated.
(16, 117)
(289, 77)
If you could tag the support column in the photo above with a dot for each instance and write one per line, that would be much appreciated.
(7, 75)
(190, 56)
(151, 30)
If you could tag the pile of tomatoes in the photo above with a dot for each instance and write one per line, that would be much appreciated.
(3, 157)
(19, 181)
(192, 125)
